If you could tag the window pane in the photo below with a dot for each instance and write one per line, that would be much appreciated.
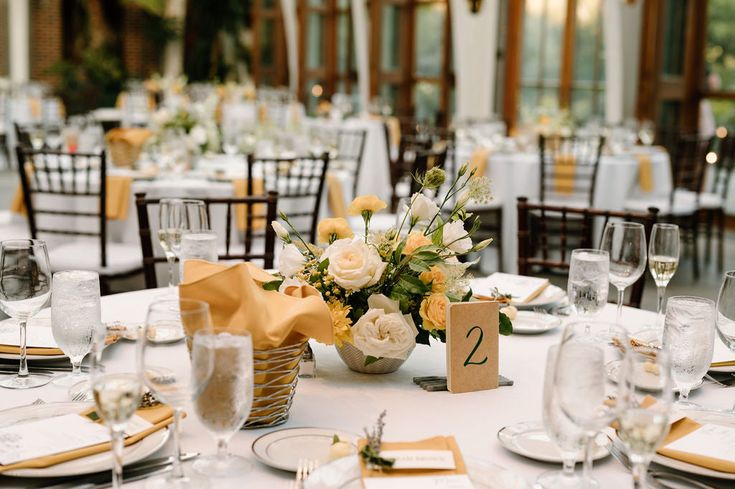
(674, 29)
(669, 116)
(389, 53)
(720, 53)
(267, 42)
(587, 104)
(343, 3)
(588, 41)
(267, 4)
(430, 38)
(389, 94)
(724, 112)
(316, 3)
(314, 91)
(343, 42)
(426, 100)
(315, 41)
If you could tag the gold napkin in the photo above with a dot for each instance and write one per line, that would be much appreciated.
(726, 363)
(237, 301)
(335, 196)
(15, 349)
(159, 416)
(241, 211)
(564, 172)
(35, 107)
(479, 160)
(435, 443)
(17, 205)
(682, 428)
(645, 173)
(134, 136)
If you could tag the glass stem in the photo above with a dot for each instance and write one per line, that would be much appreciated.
(619, 317)
(222, 448)
(76, 368)
(587, 466)
(684, 394)
(568, 462)
(23, 369)
(639, 471)
(118, 436)
(661, 295)
(171, 259)
(177, 471)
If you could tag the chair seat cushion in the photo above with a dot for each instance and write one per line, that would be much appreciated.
(85, 255)
(685, 203)
(710, 201)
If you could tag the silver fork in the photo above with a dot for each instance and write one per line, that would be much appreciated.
(305, 467)
(38, 402)
(79, 397)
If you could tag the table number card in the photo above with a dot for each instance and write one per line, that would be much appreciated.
(472, 346)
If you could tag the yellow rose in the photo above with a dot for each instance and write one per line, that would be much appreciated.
(433, 311)
(415, 240)
(332, 229)
(366, 203)
(434, 277)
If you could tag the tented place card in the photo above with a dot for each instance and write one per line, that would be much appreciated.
(420, 459)
(421, 482)
(472, 346)
(522, 289)
(711, 441)
(39, 334)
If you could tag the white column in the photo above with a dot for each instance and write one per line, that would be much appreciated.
(612, 25)
(632, 24)
(173, 53)
(362, 41)
(19, 40)
(290, 25)
(475, 41)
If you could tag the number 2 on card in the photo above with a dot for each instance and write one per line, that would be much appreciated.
(469, 361)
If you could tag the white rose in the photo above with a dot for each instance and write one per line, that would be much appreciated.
(353, 264)
(423, 208)
(281, 232)
(160, 117)
(383, 331)
(198, 135)
(453, 237)
(290, 261)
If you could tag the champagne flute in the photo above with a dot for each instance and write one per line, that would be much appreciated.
(561, 431)
(626, 244)
(170, 374)
(225, 401)
(25, 287)
(689, 337)
(663, 259)
(176, 217)
(646, 132)
(587, 286)
(75, 318)
(643, 428)
(117, 387)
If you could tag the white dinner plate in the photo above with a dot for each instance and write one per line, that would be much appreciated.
(530, 440)
(282, 449)
(700, 416)
(344, 473)
(531, 322)
(548, 297)
(646, 381)
(41, 320)
(85, 465)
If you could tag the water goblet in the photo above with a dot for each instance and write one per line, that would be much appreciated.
(626, 244)
(663, 259)
(689, 337)
(25, 287)
(587, 286)
(75, 318)
(200, 245)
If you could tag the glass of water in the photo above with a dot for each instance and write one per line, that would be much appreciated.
(689, 337)
(224, 403)
(626, 243)
(75, 318)
(201, 245)
(587, 286)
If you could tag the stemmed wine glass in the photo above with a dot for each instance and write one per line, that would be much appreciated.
(117, 387)
(587, 286)
(176, 217)
(663, 259)
(561, 431)
(225, 402)
(75, 318)
(169, 372)
(25, 287)
(689, 337)
(726, 312)
(644, 404)
(626, 244)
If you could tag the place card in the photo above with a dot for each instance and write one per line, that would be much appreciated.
(420, 459)
(49, 436)
(420, 482)
(713, 441)
(522, 289)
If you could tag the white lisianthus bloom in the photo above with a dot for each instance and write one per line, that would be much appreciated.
(281, 232)
(455, 237)
(353, 264)
(383, 331)
(290, 261)
(198, 135)
(422, 208)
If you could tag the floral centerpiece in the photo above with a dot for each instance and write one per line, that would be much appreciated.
(389, 290)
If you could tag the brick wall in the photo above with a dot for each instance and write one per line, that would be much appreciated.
(139, 59)
(46, 37)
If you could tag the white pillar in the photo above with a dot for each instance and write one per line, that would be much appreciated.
(19, 40)
(173, 53)
(612, 26)
(360, 34)
(288, 8)
(475, 41)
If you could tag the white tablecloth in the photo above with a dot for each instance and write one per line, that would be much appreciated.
(344, 400)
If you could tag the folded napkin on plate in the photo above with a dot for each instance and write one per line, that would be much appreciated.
(241, 211)
(479, 160)
(682, 428)
(435, 443)
(15, 349)
(725, 363)
(335, 196)
(159, 416)
(645, 173)
(238, 301)
(564, 172)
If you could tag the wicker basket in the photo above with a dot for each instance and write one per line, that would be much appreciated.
(276, 375)
(125, 145)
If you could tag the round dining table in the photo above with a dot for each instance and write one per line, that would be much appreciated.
(345, 401)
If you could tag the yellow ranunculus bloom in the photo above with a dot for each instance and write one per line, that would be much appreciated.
(366, 203)
(415, 240)
(433, 311)
(341, 324)
(434, 277)
(333, 226)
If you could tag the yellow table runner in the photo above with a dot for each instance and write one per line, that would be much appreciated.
(479, 160)
(645, 173)
(335, 196)
(564, 172)
(241, 211)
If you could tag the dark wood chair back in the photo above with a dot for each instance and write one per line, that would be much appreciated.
(585, 152)
(299, 180)
(73, 175)
(260, 212)
(689, 162)
(351, 148)
(22, 136)
(547, 234)
(724, 166)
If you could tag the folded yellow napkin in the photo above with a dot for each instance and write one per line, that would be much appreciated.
(335, 196)
(726, 363)
(15, 349)
(564, 172)
(159, 416)
(682, 428)
(241, 211)
(479, 160)
(435, 443)
(394, 129)
(645, 173)
(238, 301)
(34, 104)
